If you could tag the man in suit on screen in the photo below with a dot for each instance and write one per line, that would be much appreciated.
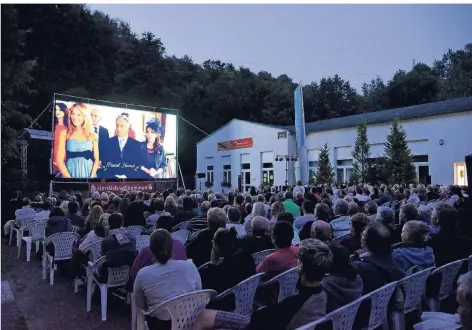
(102, 134)
(123, 153)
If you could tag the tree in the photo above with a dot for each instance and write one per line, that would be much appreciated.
(361, 155)
(324, 170)
(398, 156)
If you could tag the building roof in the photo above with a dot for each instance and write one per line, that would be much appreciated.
(39, 134)
(416, 111)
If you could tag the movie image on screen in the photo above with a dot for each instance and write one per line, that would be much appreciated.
(105, 142)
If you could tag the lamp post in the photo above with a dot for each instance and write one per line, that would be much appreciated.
(286, 159)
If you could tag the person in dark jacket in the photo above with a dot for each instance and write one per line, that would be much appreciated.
(135, 215)
(75, 219)
(200, 245)
(376, 267)
(308, 305)
(57, 222)
(259, 240)
(186, 213)
(343, 285)
(353, 241)
(237, 265)
(118, 237)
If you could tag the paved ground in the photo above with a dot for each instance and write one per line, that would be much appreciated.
(29, 303)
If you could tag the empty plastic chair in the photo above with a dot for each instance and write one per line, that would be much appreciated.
(449, 274)
(181, 235)
(24, 221)
(142, 241)
(260, 256)
(136, 230)
(36, 231)
(380, 299)
(287, 283)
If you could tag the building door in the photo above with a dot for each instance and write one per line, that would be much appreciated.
(423, 174)
(245, 180)
(460, 174)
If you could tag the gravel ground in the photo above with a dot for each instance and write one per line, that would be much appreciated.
(38, 305)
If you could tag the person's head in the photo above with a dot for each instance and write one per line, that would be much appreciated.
(352, 208)
(315, 260)
(158, 205)
(234, 215)
(414, 233)
(273, 199)
(340, 207)
(408, 212)
(226, 241)
(56, 211)
(258, 209)
(358, 223)
(64, 207)
(73, 208)
(161, 245)
(47, 204)
(95, 196)
(94, 216)
(79, 118)
(424, 212)
(385, 216)
(282, 234)
(322, 212)
(124, 206)
(153, 131)
(115, 220)
(341, 261)
(25, 202)
(288, 196)
(104, 197)
(276, 209)
(308, 207)
(444, 217)
(261, 198)
(239, 200)
(464, 299)
(371, 208)
(170, 203)
(288, 217)
(165, 221)
(376, 239)
(95, 114)
(259, 225)
(123, 125)
(217, 218)
(204, 207)
(321, 230)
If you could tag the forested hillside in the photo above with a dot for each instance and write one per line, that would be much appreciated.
(70, 49)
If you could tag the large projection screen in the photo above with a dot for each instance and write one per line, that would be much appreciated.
(95, 141)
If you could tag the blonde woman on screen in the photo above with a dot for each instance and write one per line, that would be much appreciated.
(79, 145)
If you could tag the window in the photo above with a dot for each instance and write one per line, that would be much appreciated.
(210, 173)
(420, 159)
(227, 173)
(312, 169)
(268, 173)
(343, 170)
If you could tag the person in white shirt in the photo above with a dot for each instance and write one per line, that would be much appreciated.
(299, 189)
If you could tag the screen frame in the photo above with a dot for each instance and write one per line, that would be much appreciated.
(120, 105)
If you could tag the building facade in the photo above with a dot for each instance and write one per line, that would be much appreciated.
(248, 154)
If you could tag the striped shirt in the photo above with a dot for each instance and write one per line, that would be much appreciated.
(198, 223)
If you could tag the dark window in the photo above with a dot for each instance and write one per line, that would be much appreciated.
(209, 167)
(344, 162)
(313, 164)
(420, 159)
(246, 166)
(226, 167)
(267, 165)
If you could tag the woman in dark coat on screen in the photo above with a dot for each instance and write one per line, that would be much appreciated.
(153, 153)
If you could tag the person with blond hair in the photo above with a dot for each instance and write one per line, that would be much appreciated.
(77, 155)
(93, 219)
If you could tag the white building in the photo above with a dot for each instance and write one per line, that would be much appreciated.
(246, 153)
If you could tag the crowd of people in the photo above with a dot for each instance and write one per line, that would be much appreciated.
(346, 241)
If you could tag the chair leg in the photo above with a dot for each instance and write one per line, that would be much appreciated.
(51, 271)
(18, 244)
(133, 313)
(37, 246)
(76, 285)
(28, 250)
(89, 293)
(19, 236)
(11, 235)
(44, 265)
(104, 296)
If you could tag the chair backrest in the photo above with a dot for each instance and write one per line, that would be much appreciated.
(449, 275)
(415, 286)
(470, 263)
(411, 271)
(25, 221)
(244, 293)
(184, 309)
(75, 229)
(142, 241)
(95, 248)
(181, 226)
(287, 283)
(37, 230)
(135, 230)
(320, 324)
(63, 243)
(260, 256)
(340, 238)
(204, 266)
(343, 318)
(118, 276)
(380, 299)
(181, 235)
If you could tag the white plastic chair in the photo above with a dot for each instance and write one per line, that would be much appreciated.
(181, 226)
(244, 293)
(181, 235)
(182, 310)
(94, 249)
(449, 275)
(313, 325)
(378, 312)
(36, 232)
(63, 243)
(142, 241)
(260, 256)
(24, 222)
(470, 263)
(136, 230)
(117, 277)
(287, 283)
(415, 286)
(75, 229)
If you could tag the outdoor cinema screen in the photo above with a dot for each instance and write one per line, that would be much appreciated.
(106, 142)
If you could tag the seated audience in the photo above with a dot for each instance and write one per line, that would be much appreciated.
(200, 245)
(276, 209)
(236, 266)
(424, 215)
(308, 209)
(135, 215)
(386, 216)
(118, 237)
(186, 213)
(93, 218)
(259, 240)
(57, 222)
(352, 208)
(164, 279)
(322, 212)
(158, 205)
(353, 241)
(234, 217)
(321, 230)
(290, 206)
(258, 208)
(341, 222)
(371, 210)
(75, 219)
(288, 217)
(464, 299)
(414, 251)
(45, 212)
(200, 221)
(343, 285)
(285, 256)
(96, 234)
(308, 305)
(376, 267)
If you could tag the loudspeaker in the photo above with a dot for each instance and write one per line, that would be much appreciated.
(468, 169)
(201, 175)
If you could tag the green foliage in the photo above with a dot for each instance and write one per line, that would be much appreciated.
(398, 156)
(360, 155)
(324, 170)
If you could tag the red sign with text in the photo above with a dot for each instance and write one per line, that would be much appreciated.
(119, 187)
(235, 144)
